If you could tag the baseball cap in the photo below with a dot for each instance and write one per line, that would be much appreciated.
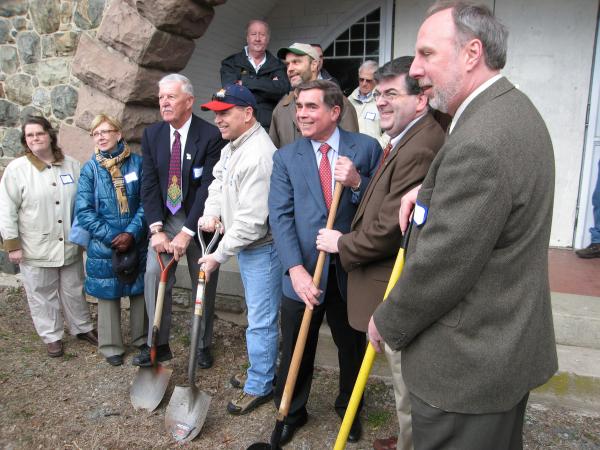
(230, 96)
(298, 49)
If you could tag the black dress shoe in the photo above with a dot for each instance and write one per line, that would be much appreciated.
(287, 434)
(142, 359)
(355, 431)
(204, 358)
(115, 360)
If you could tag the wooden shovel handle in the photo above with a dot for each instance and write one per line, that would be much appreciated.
(290, 383)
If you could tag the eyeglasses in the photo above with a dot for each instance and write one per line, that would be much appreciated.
(102, 133)
(366, 80)
(39, 134)
(388, 95)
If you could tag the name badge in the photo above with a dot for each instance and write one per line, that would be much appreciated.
(66, 178)
(197, 172)
(131, 176)
(420, 214)
(370, 115)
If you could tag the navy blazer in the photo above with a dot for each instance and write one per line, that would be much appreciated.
(202, 151)
(297, 208)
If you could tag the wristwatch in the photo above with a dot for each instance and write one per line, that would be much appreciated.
(357, 188)
(155, 229)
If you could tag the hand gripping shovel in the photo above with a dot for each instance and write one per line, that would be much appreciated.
(367, 364)
(150, 383)
(188, 406)
(290, 382)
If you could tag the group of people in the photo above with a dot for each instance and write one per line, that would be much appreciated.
(467, 330)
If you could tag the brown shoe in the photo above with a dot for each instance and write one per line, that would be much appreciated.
(246, 403)
(591, 251)
(239, 380)
(90, 336)
(386, 444)
(55, 349)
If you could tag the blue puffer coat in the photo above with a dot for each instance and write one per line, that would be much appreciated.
(107, 222)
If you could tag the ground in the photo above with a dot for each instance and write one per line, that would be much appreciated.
(80, 402)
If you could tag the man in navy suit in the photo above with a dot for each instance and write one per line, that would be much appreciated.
(179, 155)
(300, 196)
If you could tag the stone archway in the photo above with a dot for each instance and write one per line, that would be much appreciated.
(137, 43)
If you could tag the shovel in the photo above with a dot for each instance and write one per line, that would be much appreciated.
(367, 364)
(150, 383)
(188, 406)
(290, 382)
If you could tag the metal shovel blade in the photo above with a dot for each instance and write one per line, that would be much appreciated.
(186, 413)
(149, 387)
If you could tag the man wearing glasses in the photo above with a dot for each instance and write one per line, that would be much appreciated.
(368, 251)
(363, 101)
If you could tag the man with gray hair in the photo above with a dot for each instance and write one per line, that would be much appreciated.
(178, 158)
(471, 312)
(364, 103)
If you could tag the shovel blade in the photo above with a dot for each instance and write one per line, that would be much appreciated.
(186, 413)
(149, 387)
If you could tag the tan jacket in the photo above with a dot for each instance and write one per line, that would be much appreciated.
(284, 130)
(368, 117)
(240, 190)
(37, 203)
(368, 252)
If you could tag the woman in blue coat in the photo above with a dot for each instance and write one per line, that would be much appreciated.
(109, 207)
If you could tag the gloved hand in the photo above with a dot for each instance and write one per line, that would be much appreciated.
(122, 242)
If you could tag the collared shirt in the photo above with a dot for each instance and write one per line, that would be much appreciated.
(332, 154)
(183, 133)
(470, 98)
(251, 60)
(394, 140)
(364, 98)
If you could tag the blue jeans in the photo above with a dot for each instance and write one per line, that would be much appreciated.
(595, 230)
(261, 274)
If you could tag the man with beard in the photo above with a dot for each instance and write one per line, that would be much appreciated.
(471, 311)
(302, 62)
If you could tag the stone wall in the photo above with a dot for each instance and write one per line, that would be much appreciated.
(38, 40)
(72, 59)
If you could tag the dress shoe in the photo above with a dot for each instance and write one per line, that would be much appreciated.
(142, 359)
(204, 358)
(55, 349)
(91, 336)
(115, 360)
(591, 251)
(287, 433)
(385, 444)
(355, 431)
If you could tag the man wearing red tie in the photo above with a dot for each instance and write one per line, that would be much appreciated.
(179, 155)
(302, 182)
(368, 252)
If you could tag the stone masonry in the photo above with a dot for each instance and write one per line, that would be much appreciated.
(72, 59)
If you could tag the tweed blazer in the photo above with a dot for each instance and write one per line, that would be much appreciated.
(368, 252)
(471, 311)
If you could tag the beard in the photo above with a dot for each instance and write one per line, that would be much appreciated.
(441, 97)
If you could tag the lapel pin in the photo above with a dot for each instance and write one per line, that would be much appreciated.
(188, 156)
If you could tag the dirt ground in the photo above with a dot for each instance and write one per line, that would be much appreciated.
(80, 402)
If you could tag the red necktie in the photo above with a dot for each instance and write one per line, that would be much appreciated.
(386, 152)
(325, 174)
(174, 189)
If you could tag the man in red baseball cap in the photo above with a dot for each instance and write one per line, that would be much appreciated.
(238, 199)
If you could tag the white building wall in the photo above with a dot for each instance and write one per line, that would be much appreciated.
(550, 53)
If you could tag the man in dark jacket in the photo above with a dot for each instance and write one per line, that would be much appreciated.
(258, 70)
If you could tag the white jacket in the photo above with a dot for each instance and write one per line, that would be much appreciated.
(36, 205)
(368, 117)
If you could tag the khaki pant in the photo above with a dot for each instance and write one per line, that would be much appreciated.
(48, 290)
(110, 340)
(401, 395)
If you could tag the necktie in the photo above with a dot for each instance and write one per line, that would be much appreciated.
(325, 174)
(174, 189)
(386, 152)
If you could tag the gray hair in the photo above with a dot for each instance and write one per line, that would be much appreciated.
(369, 65)
(262, 22)
(186, 84)
(477, 21)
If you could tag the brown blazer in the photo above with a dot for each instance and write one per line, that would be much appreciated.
(368, 252)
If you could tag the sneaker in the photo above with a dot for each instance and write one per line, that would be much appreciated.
(246, 403)
(142, 359)
(239, 380)
(591, 251)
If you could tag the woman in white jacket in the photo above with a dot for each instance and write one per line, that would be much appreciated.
(37, 195)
